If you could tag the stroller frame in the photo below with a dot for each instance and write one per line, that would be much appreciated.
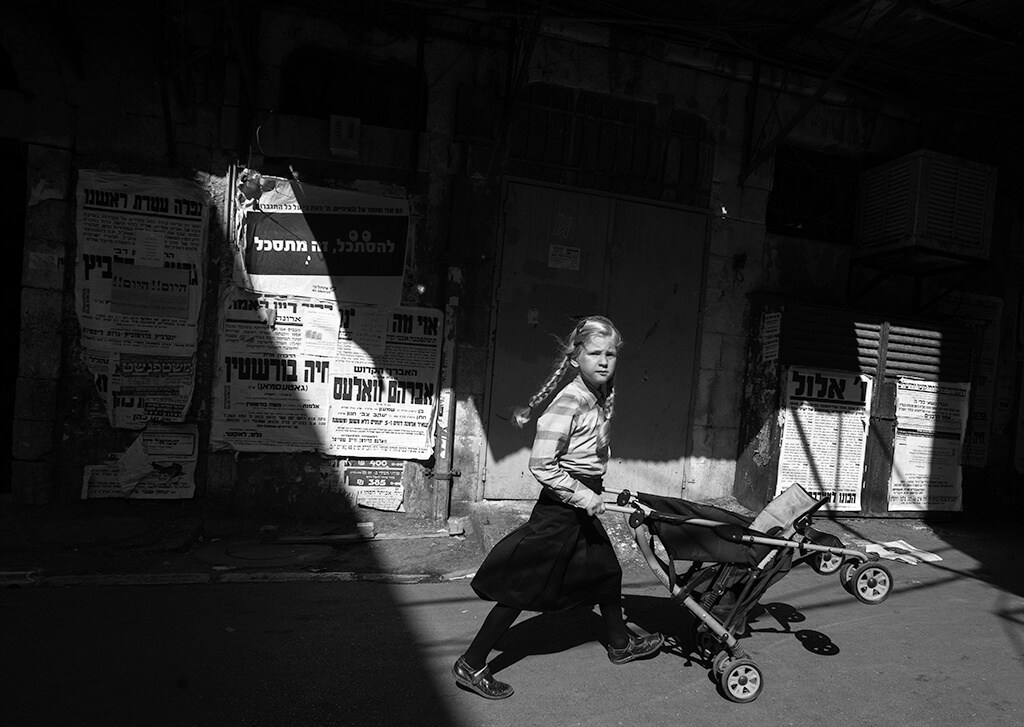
(717, 627)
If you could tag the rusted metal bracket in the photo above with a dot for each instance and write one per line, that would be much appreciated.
(445, 476)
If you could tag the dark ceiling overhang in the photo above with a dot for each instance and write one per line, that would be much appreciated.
(932, 56)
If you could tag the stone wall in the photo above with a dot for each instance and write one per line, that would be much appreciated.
(198, 95)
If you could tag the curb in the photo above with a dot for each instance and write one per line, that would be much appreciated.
(190, 579)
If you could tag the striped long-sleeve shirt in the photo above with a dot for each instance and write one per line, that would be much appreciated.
(566, 443)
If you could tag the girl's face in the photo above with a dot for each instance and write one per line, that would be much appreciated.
(596, 360)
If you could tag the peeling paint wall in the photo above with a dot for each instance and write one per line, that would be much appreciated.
(113, 106)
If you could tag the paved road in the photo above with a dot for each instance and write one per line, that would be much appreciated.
(947, 648)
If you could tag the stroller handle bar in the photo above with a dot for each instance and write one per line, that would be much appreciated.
(640, 514)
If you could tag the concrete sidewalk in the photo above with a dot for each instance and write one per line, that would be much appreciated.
(942, 650)
(154, 542)
(161, 542)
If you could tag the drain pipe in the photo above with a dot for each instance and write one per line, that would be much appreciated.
(443, 473)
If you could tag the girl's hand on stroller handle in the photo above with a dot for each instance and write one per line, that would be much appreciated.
(637, 513)
(622, 497)
(627, 503)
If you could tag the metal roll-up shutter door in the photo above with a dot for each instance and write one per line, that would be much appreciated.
(844, 340)
(932, 353)
(830, 338)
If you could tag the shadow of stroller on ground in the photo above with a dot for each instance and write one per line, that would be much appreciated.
(551, 633)
(677, 624)
(547, 633)
(785, 615)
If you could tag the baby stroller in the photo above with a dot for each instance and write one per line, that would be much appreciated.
(717, 564)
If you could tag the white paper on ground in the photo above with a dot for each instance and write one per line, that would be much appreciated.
(900, 550)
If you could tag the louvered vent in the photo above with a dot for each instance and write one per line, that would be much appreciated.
(843, 340)
(830, 338)
(927, 201)
(937, 354)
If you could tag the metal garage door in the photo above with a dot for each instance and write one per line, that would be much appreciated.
(567, 255)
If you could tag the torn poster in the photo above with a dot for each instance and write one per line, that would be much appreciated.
(159, 464)
(139, 275)
(139, 280)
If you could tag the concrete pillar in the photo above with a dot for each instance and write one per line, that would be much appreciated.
(49, 234)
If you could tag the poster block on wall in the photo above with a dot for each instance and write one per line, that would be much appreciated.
(300, 239)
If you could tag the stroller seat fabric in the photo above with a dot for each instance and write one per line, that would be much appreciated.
(694, 542)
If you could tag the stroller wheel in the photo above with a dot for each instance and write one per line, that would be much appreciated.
(718, 663)
(826, 563)
(705, 643)
(741, 681)
(846, 569)
(870, 583)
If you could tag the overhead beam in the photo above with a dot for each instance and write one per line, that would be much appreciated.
(863, 42)
(969, 24)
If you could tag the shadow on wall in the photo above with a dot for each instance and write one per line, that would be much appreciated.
(12, 211)
(296, 482)
(305, 373)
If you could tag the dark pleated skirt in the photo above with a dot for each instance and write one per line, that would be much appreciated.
(561, 558)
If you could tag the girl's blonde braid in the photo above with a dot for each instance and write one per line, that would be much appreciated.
(604, 434)
(521, 415)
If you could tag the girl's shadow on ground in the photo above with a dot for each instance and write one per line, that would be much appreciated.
(547, 633)
(551, 633)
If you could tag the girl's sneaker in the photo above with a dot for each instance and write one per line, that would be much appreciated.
(480, 681)
(637, 648)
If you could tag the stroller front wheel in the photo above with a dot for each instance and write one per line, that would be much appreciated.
(741, 681)
(870, 583)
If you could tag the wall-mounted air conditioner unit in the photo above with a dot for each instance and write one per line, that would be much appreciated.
(344, 136)
(929, 203)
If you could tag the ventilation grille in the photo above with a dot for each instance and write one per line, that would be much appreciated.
(830, 339)
(844, 340)
(937, 354)
(928, 201)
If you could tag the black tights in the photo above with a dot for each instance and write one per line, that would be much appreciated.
(501, 618)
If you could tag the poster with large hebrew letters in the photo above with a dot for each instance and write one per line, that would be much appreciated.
(317, 242)
(139, 281)
(824, 435)
(139, 272)
(308, 374)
